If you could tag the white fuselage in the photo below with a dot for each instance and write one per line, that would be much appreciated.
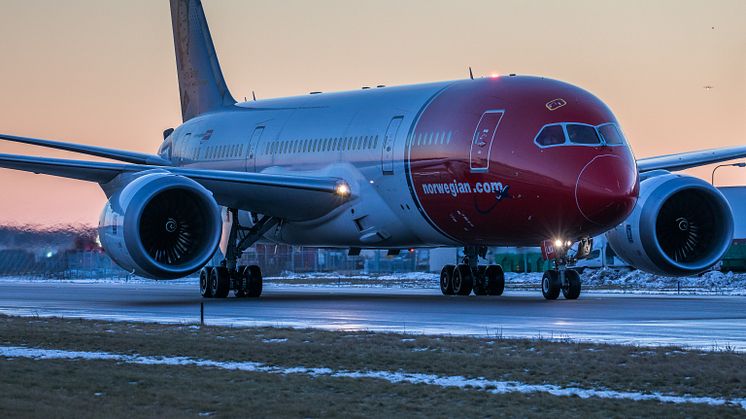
(359, 136)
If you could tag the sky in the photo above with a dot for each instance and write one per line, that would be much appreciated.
(102, 72)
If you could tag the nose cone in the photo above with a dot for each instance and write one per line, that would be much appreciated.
(607, 189)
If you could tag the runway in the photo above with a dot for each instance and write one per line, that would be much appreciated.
(695, 321)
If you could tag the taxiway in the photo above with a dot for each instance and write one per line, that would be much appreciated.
(707, 322)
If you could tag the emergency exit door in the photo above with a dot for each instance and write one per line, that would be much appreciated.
(484, 137)
(389, 140)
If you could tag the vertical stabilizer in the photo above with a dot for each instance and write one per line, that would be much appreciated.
(201, 83)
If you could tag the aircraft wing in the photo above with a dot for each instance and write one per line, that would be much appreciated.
(109, 153)
(294, 198)
(681, 161)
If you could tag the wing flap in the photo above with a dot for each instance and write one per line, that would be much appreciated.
(109, 153)
(294, 198)
(682, 161)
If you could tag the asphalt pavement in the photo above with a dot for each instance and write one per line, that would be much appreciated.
(697, 321)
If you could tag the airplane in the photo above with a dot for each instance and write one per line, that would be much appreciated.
(498, 161)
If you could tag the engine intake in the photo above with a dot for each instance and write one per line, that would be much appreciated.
(161, 226)
(680, 226)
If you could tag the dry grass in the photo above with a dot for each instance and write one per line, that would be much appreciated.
(40, 387)
(82, 389)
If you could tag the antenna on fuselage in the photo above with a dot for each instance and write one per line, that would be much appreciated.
(253, 94)
(471, 74)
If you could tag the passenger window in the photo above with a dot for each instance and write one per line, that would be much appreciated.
(611, 135)
(582, 134)
(551, 135)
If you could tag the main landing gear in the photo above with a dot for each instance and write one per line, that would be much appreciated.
(218, 281)
(244, 281)
(469, 276)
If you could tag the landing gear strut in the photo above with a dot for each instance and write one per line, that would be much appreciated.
(245, 281)
(469, 276)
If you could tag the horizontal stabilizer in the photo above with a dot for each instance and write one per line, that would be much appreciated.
(294, 198)
(682, 161)
(121, 155)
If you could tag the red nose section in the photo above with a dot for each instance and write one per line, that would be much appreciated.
(607, 189)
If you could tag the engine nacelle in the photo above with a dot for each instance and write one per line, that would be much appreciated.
(161, 226)
(680, 226)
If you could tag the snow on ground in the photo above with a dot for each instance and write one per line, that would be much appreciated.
(713, 282)
(480, 384)
(625, 281)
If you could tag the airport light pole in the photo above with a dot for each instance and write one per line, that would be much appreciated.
(712, 181)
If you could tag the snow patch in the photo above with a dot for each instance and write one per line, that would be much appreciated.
(490, 386)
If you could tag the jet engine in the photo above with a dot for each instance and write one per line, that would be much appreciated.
(680, 226)
(161, 226)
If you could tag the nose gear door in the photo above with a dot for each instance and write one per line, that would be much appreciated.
(484, 137)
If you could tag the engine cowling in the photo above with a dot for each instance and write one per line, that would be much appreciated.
(161, 226)
(680, 226)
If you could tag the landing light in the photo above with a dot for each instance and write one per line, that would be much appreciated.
(342, 189)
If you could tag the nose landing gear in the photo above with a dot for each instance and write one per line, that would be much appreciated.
(469, 276)
(561, 279)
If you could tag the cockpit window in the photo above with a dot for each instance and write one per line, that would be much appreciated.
(551, 135)
(582, 134)
(574, 133)
(611, 135)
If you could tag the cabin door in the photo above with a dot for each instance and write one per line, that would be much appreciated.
(389, 141)
(253, 148)
(484, 136)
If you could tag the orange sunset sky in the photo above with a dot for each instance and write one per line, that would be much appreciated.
(102, 71)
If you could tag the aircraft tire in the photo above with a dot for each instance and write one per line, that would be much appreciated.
(494, 280)
(220, 283)
(571, 290)
(204, 282)
(446, 280)
(463, 280)
(254, 281)
(551, 285)
(480, 281)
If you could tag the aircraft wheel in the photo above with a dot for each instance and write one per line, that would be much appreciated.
(446, 280)
(571, 289)
(239, 281)
(494, 280)
(463, 281)
(550, 285)
(480, 281)
(253, 278)
(220, 283)
(204, 282)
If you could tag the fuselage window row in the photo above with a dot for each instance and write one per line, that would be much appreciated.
(319, 145)
(433, 138)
